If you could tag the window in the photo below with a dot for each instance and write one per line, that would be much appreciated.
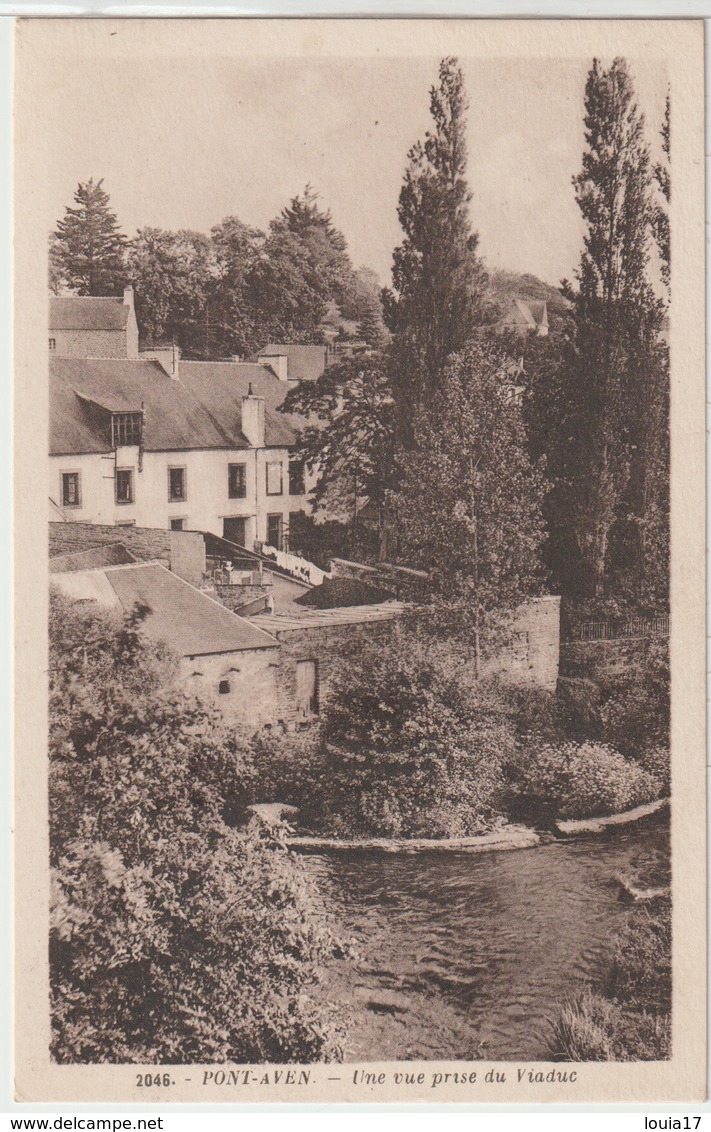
(307, 688)
(126, 429)
(296, 477)
(124, 485)
(274, 478)
(223, 687)
(125, 523)
(275, 530)
(53, 343)
(71, 495)
(237, 481)
(176, 485)
(177, 524)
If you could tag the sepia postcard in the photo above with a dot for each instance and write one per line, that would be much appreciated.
(359, 528)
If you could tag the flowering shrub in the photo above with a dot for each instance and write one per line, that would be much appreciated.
(584, 780)
(174, 937)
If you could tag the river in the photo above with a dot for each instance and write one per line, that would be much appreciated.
(461, 956)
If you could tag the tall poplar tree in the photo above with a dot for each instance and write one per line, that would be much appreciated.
(438, 279)
(87, 247)
(617, 318)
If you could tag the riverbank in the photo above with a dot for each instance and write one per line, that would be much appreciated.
(505, 838)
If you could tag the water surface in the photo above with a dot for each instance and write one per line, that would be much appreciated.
(472, 956)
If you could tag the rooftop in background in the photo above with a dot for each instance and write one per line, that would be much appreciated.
(328, 618)
(188, 621)
(305, 363)
(73, 312)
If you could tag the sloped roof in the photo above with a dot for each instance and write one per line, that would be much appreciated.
(188, 621)
(87, 313)
(220, 387)
(203, 409)
(306, 363)
(278, 623)
(526, 312)
(115, 554)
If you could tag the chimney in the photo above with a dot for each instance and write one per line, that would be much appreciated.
(278, 362)
(168, 358)
(128, 297)
(253, 418)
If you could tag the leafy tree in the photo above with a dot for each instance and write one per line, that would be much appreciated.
(469, 508)
(348, 439)
(176, 936)
(87, 249)
(616, 355)
(172, 274)
(662, 175)
(235, 322)
(438, 280)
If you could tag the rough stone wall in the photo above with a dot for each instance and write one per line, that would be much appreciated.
(183, 552)
(250, 701)
(235, 596)
(598, 659)
(329, 646)
(91, 344)
(529, 652)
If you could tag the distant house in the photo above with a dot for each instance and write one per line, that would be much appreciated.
(525, 316)
(88, 327)
(147, 439)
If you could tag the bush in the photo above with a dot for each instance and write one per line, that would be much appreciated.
(410, 745)
(174, 936)
(582, 780)
(635, 705)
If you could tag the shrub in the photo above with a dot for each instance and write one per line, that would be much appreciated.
(583, 780)
(634, 705)
(410, 745)
(174, 937)
(631, 1019)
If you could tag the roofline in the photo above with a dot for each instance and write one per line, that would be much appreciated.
(190, 448)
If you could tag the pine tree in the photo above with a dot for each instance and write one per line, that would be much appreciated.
(87, 251)
(617, 325)
(438, 278)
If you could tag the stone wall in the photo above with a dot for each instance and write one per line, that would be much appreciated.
(249, 679)
(594, 660)
(183, 552)
(328, 646)
(529, 651)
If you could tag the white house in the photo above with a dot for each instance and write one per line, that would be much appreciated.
(154, 441)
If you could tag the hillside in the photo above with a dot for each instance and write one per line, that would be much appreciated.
(506, 285)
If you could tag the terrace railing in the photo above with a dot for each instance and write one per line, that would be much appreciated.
(637, 628)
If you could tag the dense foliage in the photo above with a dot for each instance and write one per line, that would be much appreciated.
(225, 293)
(582, 780)
(176, 936)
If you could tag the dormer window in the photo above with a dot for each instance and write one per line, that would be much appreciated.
(126, 429)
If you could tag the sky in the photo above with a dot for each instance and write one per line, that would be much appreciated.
(183, 142)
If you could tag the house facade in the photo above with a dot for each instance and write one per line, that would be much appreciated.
(154, 441)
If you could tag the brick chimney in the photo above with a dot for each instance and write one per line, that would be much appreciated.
(278, 362)
(253, 418)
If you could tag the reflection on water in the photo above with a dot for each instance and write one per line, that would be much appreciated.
(472, 956)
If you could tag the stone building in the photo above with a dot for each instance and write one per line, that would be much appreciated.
(88, 327)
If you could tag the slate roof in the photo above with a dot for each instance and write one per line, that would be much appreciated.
(87, 313)
(306, 363)
(203, 409)
(188, 621)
